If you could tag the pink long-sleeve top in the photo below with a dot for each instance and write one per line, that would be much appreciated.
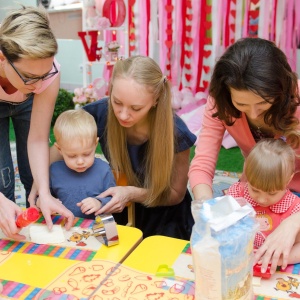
(203, 165)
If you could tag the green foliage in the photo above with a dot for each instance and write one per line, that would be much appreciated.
(64, 102)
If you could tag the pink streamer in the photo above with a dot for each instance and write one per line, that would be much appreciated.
(196, 4)
(142, 27)
(176, 70)
(246, 19)
(162, 34)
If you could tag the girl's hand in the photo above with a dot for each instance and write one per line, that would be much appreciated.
(278, 244)
(8, 213)
(120, 198)
(89, 205)
(49, 205)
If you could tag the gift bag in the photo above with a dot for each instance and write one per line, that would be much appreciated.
(222, 248)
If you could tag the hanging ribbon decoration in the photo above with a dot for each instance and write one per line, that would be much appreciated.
(169, 34)
(131, 27)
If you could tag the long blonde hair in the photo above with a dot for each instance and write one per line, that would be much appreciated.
(26, 33)
(160, 147)
(270, 165)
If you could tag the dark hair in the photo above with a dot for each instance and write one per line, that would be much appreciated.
(259, 66)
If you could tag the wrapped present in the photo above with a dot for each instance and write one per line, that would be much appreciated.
(222, 248)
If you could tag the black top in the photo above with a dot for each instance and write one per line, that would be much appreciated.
(174, 221)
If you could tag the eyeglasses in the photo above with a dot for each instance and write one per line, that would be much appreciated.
(28, 81)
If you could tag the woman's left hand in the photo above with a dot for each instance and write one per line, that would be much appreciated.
(120, 198)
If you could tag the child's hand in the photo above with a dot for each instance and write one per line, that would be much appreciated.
(89, 205)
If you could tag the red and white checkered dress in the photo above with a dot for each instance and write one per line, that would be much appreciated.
(268, 217)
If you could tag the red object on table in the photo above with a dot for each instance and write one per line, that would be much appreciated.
(27, 217)
(257, 271)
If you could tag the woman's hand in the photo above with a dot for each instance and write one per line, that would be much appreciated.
(33, 195)
(120, 198)
(49, 205)
(278, 244)
(8, 213)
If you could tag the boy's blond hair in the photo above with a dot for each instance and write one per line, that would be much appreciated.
(270, 165)
(73, 124)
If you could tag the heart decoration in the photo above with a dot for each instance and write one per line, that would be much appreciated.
(255, 1)
(206, 69)
(132, 47)
(169, 8)
(254, 14)
(169, 31)
(207, 9)
(189, 4)
(253, 28)
(233, 13)
(189, 17)
(187, 66)
(188, 54)
(169, 44)
(188, 77)
(232, 26)
(168, 67)
(189, 40)
(207, 41)
(207, 24)
(188, 28)
(206, 53)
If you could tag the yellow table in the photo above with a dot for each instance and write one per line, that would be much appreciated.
(154, 251)
(38, 270)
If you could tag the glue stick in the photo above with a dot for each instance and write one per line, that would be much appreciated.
(27, 217)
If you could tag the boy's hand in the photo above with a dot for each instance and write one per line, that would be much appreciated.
(89, 205)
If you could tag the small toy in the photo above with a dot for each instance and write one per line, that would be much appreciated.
(164, 271)
(27, 217)
(257, 271)
(105, 230)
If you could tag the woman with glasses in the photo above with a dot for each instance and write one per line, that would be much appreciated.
(29, 84)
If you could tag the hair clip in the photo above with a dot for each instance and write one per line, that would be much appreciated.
(165, 79)
(283, 138)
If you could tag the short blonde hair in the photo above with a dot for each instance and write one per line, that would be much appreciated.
(75, 123)
(270, 165)
(26, 33)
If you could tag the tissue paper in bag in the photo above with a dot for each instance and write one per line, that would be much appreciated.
(222, 249)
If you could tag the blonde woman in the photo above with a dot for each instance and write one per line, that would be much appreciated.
(269, 168)
(142, 138)
(29, 83)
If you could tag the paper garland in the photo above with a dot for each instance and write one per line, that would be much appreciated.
(187, 37)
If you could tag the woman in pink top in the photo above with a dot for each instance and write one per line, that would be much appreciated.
(254, 95)
(29, 84)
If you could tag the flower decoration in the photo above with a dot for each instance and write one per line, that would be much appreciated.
(89, 94)
(113, 46)
(101, 23)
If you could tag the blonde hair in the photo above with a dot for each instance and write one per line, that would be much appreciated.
(270, 165)
(26, 33)
(160, 148)
(75, 123)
